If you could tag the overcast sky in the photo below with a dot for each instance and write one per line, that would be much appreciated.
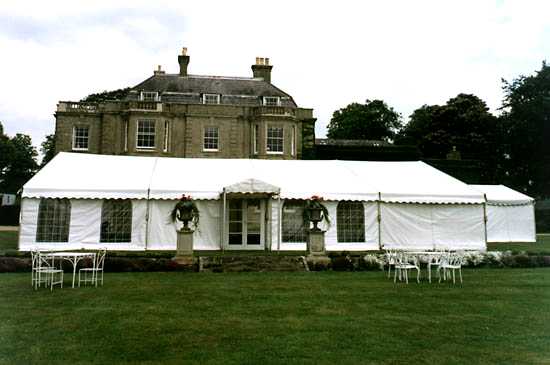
(325, 54)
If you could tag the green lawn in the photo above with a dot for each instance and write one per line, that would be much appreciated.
(541, 246)
(498, 316)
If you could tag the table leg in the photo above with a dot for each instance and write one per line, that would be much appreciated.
(74, 270)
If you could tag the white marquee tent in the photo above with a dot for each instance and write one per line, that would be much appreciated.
(405, 204)
(510, 214)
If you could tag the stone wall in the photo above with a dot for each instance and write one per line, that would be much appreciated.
(113, 130)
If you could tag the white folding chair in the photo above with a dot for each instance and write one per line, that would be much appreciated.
(403, 263)
(451, 261)
(94, 271)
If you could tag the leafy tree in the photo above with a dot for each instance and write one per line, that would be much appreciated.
(463, 122)
(118, 94)
(372, 120)
(17, 161)
(48, 149)
(526, 122)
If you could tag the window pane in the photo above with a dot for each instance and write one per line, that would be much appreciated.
(275, 139)
(211, 138)
(54, 217)
(80, 137)
(116, 221)
(146, 134)
(350, 222)
(293, 226)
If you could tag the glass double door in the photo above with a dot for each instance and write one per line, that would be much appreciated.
(246, 224)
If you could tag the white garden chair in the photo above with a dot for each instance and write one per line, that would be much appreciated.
(434, 260)
(451, 261)
(44, 271)
(390, 260)
(404, 263)
(94, 271)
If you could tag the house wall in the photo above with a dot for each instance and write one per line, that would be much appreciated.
(113, 126)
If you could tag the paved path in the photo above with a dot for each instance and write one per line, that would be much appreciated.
(9, 228)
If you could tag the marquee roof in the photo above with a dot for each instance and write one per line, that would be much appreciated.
(91, 176)
(503, 195)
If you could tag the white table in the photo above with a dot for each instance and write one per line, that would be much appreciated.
(73, 257)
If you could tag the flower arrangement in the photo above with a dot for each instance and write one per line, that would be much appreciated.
(315, 211)
(185, 211)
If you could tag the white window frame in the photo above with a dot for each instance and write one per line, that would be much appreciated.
(267, 140)
(244, 225)
(148, 133)
(87, 127)
(217, 138)
(149, 96)
(166, 146)
(206, 96)
(276, 99)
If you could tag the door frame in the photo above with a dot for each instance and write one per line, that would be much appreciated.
(263, 226)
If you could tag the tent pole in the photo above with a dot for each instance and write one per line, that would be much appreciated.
(485, 218)
(379, 222)
(223, 223)
(147, 221)
(279, 223)
(534, 220)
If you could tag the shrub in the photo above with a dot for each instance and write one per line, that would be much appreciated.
(343, 262)
(371, 262)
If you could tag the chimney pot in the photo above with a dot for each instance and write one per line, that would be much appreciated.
(158, 71)
(184, 51)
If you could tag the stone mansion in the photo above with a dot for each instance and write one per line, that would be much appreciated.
(183, 115)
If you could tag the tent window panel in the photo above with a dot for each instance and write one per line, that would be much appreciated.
(350, 222)
(293, 227)
(54, 217)
(116, 221)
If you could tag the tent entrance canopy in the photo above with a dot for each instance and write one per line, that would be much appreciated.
(250, 188)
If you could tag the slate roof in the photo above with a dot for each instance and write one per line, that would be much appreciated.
(240, 86)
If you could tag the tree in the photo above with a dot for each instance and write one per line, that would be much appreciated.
(118, 94)
(48, 149)
(463, 122)
(526, 122)
(372, 120)
(17, 161)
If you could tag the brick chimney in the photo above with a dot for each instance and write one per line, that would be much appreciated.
(183, 60)
(262, 69)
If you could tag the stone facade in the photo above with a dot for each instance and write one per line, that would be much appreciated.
(243, 112)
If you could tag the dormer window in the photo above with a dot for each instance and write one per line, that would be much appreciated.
(149, 96)
(210, 98)
(272, 101)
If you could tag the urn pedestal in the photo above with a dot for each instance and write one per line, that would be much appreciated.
(316, 252)
(184, 250)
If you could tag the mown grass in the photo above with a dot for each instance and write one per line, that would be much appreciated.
(498, 316)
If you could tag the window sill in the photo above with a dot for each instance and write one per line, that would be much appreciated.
(80, 149)
(146, 149)
(274, 153)
(209, 150)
